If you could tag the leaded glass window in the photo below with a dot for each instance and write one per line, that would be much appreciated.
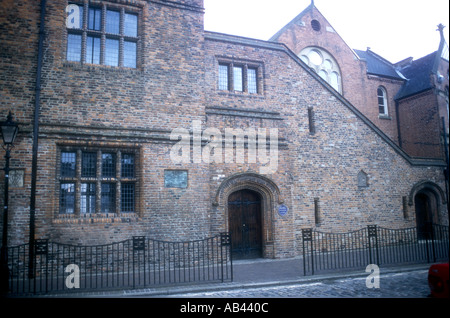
(67, 198)
(223, 77)
(109, 37)
(127, 197)
(108, 165)
(88, 164)
(108, 197)
(127, 165)
(68, 164)
(239, 77)
(105, 180)
(252, 81)
(87, 204)
(74, 47)
(93, 50)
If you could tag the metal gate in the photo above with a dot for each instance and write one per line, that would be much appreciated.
(373, 245)
(135, 263)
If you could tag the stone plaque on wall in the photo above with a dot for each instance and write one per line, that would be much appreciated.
(175, 178)
(16, 178)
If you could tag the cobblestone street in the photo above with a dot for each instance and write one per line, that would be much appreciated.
(412, 284)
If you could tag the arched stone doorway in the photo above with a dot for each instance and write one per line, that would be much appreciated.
(426, 213)
(427, 198)
(252, 187)
(245, 224)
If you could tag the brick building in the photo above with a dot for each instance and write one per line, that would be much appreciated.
(136, 105)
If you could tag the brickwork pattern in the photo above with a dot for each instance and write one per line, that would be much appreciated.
(175, 84)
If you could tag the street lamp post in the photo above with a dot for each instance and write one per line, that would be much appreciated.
(9, 132)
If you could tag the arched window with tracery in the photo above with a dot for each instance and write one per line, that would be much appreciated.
(324, 64)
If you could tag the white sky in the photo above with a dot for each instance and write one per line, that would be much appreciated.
(394, 29)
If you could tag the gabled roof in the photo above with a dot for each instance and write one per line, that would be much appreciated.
(299, 18)
(418, 74)
(376, 65)
(213, 36)
(293, 21)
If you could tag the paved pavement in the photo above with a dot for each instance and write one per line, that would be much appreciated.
(273, 286)
(284, 278)
(410, 284)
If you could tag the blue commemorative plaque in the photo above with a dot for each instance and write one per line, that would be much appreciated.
(282, 210)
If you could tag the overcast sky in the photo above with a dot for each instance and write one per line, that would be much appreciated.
(394, 29)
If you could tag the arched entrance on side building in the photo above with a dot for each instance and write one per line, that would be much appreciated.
(427, 198)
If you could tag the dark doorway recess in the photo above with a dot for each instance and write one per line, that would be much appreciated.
(244, 217)
(426, 213)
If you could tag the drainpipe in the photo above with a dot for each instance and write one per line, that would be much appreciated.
(35, 142)
(399, 133)
(444, 133)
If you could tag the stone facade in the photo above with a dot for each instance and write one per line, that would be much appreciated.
(324, 142)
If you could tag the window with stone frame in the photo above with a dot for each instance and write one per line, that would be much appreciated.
(97, 180)
(382, 101)
(103, 33)
(240, 77)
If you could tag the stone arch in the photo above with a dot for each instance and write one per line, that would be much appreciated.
(428, 199)
(427, 185)
(270, 198)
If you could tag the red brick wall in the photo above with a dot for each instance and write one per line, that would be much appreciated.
(359, 88)
(95, 106)
(423, 142)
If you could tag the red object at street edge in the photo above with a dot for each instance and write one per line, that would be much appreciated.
(438, 280)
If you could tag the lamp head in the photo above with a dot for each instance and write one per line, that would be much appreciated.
(9, 130)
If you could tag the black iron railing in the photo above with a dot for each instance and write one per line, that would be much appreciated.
(373, 245)
(135, 263)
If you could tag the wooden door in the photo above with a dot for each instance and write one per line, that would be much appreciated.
(244, 216)
(423, 216)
